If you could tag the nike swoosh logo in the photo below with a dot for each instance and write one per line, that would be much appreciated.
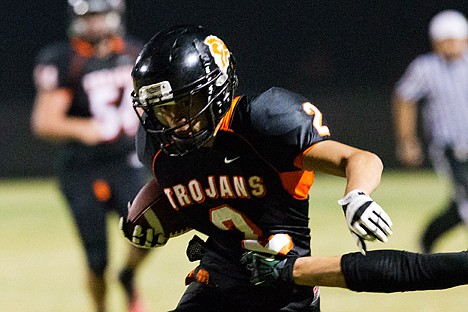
(228, 161)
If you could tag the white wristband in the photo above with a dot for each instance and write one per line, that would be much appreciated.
(350, 196)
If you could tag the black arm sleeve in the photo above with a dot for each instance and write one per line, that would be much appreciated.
(394, 271)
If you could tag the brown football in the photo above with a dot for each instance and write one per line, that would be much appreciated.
(151, 209)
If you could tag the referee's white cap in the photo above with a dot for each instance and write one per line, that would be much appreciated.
(448, 24)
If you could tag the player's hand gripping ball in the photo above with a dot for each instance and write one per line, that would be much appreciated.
(366, 219)
(151, 220)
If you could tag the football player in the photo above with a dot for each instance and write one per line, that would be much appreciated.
(239, 169)
(81, 103)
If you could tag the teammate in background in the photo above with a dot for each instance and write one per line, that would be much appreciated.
(439, 80)
(239, 170)
(82, 102)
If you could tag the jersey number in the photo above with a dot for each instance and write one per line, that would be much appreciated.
(310, 110)
(109, 105)
(227, 218)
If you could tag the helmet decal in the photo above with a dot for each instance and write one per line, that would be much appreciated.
(219, 51)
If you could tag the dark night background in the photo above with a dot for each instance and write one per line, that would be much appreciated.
(344, 55)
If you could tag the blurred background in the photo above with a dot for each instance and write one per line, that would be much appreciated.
(344, 55)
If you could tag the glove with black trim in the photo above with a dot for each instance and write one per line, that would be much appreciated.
(365, 218)
(142, 236)
(268, 271)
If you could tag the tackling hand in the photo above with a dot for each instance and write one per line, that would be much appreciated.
(366, 219)
(268, 271)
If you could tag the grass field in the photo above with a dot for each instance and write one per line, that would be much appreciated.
(41, 264)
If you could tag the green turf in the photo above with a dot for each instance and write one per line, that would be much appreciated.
(42, 264)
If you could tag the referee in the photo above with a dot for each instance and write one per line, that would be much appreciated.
(439, 80)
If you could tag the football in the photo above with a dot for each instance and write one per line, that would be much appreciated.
(151, 220)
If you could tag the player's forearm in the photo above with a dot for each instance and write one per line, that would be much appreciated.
(50, 120)
(363, 171)
(62, 130)
(405, 119)
(319, 271)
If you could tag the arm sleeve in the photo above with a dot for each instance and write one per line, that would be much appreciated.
(389, 271)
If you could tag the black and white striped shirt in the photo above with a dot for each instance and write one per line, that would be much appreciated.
(443, 85)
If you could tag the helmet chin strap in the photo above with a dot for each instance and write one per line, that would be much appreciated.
(184, 146)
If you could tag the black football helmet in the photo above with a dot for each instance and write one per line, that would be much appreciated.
(183, 70)
(113, 23)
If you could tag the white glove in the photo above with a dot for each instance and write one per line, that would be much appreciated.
(143, 234)
(366, 219)
(139, 236)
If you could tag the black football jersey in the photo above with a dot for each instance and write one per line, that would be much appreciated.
(100, 89)
(246, 187)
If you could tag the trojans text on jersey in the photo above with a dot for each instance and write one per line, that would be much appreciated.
(222, 186)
